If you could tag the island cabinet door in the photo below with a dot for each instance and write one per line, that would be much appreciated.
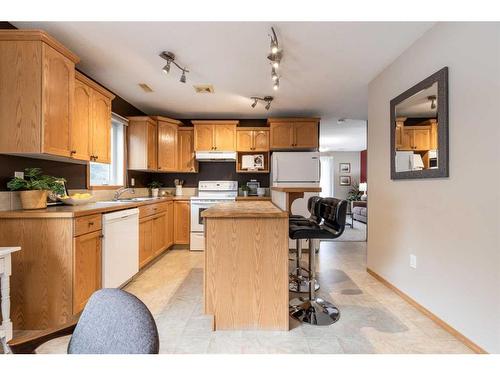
(145, 241)
(86, 268)
(58, 82)
(167, 147)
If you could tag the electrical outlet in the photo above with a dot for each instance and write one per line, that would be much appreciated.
(413, 261)
(19, 174)
(132, 182)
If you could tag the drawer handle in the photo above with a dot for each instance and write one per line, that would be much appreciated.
(91, 223)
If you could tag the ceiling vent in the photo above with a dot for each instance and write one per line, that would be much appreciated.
(145, 87)
(204, 89)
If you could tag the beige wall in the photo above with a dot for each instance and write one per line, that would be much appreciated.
(451, 224)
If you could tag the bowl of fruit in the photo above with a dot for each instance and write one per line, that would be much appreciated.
(76, 199)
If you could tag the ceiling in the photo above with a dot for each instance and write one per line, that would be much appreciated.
(325, 70)
(418, 105)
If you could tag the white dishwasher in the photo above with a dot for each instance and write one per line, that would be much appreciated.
(120, 247)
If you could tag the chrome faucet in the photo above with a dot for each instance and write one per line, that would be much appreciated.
(121, 191)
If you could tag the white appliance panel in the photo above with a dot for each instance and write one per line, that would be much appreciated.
(295, 168)
(120, 250)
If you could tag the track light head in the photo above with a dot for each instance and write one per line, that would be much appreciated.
(268, 105)
(166, 68)
(255, 100)
(274, 75)
(432, 98)
(183, 76)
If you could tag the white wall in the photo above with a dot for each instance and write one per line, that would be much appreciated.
(451, 224)
(353, 157)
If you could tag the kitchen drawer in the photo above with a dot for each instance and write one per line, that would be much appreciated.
(152, 209)
(87, 224)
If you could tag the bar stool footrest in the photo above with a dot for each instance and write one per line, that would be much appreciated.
(316, 312)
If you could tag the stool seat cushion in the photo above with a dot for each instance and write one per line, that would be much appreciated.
(308, 231)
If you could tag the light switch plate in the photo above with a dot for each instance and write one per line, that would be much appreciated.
(19, 174)
(413, 261)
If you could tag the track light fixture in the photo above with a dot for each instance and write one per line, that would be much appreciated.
(265, 99)
(274, 57)
(432, 98)
(170, 57)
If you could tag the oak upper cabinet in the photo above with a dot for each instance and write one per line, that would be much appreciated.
(142, 143)
(210, 135)
(82, 118)
(294, 133)
(86, 268)
(101, 128)
(186, 161)
(416, 138)
(181, 222)
(167, 143)
(37, 76)
(91, 128)
(252, 139)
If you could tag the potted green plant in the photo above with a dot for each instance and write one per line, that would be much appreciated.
(354, 194)
(34, 188)
(245, 189)
(154, 186)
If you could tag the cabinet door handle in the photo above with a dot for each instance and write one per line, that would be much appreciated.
(91, 223)
(96, 157)
(72, 152)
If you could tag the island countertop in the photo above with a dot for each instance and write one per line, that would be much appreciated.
(259, 209)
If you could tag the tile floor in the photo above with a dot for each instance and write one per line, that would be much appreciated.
(373, 318)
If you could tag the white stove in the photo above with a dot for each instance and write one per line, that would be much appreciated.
(210, 193)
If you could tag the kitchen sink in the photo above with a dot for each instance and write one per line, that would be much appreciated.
(129, 200)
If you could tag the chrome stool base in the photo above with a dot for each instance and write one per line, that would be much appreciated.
(316, 311)
(304, 286)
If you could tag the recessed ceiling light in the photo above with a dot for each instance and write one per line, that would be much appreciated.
(145, 87)
(204, 89)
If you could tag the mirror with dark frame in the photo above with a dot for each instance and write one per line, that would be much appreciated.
(419, 130)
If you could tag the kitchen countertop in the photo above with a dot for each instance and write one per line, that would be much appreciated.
(297, 189)
(260, 209)
(83, 210)
(253, 198)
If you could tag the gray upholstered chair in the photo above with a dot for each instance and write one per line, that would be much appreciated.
(113, 322)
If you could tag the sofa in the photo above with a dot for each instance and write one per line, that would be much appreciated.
(359, 211)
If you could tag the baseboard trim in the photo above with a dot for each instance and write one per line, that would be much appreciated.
(423, 310)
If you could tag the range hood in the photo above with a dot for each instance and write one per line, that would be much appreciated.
(215, 156)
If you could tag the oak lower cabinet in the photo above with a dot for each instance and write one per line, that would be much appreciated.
(182, 211)
(37, 76)
(155, 231)
(294, 133)
(56, 271)
(211, 135)
(87, 267)
(91, 127)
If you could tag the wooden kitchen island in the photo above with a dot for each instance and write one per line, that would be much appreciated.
(246, 266)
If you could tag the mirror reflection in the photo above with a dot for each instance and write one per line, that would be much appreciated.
(416, 131)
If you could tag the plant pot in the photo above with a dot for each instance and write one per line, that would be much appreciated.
(33, 199)
(154, 193)
(245, 193)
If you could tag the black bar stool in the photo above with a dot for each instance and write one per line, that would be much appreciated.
(315, 310)
(298, 281)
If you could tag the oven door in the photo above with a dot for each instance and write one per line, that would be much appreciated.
(197, 207)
